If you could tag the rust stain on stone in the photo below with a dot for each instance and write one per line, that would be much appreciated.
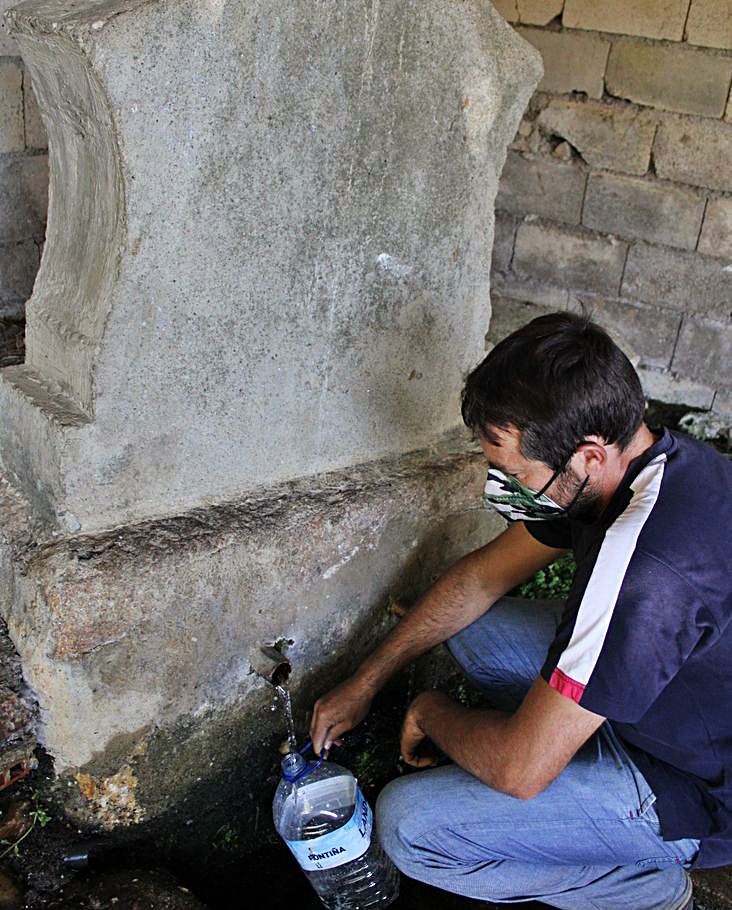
(112, 800)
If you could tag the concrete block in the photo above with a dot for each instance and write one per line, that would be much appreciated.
(723, 408)
(312, 236)
(554, 255)
(509, 287)
(650, 333)
(710, 23)
(35, 131)
(8, 44)
(728, 112)
(673, 78)
(539, 12)
(11, 107)
(542, 186)
(18, 268)
(640, 209)
(573, 61)
(704, 353)
(688, 282)
(507, 315)
(508, 9)
(693, 151)
(645, 18)
(664, 386)
(23, 197)
(503, 237)
(609, 137)
(716, 234)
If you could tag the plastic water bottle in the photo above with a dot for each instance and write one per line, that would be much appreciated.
(322, 816)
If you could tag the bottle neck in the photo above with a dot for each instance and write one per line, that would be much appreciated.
(293, 765)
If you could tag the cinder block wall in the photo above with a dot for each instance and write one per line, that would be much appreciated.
(617, 192)
(23, 193)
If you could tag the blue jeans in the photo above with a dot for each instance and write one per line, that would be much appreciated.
(591, 839)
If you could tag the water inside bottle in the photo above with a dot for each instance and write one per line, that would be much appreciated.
(316, 806)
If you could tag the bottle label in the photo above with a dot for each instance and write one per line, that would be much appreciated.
(338, 847)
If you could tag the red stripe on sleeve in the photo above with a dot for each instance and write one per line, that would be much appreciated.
(566, 686)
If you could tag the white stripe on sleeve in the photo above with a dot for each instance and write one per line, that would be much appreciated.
(601, 594)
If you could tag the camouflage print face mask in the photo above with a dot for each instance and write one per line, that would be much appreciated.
(516, 502)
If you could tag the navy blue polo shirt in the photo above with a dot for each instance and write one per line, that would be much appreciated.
(646, 636)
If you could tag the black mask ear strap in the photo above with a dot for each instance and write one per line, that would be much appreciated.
(561, 471)
(551, 481)
(554, 476)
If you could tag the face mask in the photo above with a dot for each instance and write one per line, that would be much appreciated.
(516, 502)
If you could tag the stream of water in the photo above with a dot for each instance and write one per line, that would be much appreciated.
(287, 699)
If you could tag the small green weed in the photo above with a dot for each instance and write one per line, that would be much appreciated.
(226, 839)
(38, 816)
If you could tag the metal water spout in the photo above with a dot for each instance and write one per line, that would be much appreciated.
(270, 664)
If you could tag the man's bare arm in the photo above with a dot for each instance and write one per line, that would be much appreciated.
(519, 754)
(469, 588)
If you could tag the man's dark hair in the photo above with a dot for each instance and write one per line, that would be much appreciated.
(558, 380)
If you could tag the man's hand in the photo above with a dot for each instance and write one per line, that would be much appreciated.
(339, 711)
(413, 735)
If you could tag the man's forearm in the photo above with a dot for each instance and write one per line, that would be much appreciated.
(475, 739)
(463, 594)
(458, 598)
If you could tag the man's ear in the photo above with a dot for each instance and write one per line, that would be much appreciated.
(593, 454)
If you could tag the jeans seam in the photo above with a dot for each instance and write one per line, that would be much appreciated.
(532, 826)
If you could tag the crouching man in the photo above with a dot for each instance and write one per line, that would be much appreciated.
(603, 769)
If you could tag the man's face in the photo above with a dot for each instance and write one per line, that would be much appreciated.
(507, 457)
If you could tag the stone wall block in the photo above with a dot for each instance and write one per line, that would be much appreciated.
(649, 333)
(609, 137)
(507, 315)
(716, 234)
(11, 107)
(704, 353)
(710, 23)
(554, 255)
(668, 77)
(722, 405)
(638, 209)
(509, 286)
(35, 131)
(315, 561)
(8, 44)
(693, 151)
(688, 282)
(573, 61)
(539, 12)
(508, 9)
(664, 386)
(23, 197)
(542, 186)
(503, 236)
(18, 267)
(645, 18)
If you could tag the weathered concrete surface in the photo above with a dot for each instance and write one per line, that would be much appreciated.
(268, 262)
(125, 634)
